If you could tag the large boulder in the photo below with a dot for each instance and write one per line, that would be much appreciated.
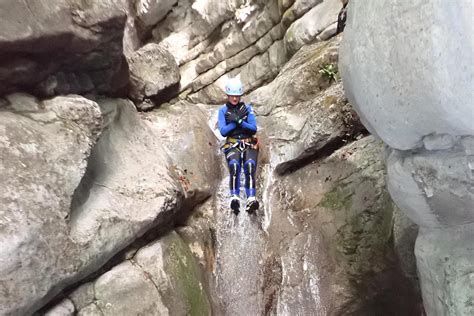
(60, 47)
(127, 170)
(183, 131)
(409, 87)
(161, 279)
(415, 92)
(44, 152)
(153, 75)
(75, 191)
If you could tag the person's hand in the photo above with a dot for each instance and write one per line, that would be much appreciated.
(242, 112)
(233, 117)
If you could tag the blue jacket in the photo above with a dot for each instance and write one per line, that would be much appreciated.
(244, 130)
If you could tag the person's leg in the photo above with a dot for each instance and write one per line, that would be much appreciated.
(233, 162)
(250, 168)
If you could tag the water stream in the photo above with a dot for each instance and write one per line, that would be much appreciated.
(239, 255)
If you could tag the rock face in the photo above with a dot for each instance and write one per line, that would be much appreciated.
(327, 219)
(108, 211)
(308, 117)
(163, 278)
(185, 136)
(82, 222)
(305, 30)
(409, 96)
(44, 156)
(152, 71)
(150, 12)
(60, 47)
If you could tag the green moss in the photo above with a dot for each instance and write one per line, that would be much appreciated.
(186, 275)
(366, 235)
(340, 198)
(286, 21)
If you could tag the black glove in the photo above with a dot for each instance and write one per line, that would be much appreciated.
(242, 112)
(233, 117)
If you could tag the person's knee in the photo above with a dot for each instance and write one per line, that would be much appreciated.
(234, 167)
(250, 166)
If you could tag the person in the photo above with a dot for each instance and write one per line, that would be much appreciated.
(341, 17)
(237, 122)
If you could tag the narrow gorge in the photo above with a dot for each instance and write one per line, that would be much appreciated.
(115, 197)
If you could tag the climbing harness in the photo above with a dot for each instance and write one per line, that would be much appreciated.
(241, 144)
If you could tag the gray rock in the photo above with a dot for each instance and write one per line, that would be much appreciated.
(341, 210)
(127, 169)
(83, 296)
(150, 12)
(65, 308)
(241, 58)
(88, 218)
(304, 286)
(428, 123)
(300, 7)
(445, 263)
(307, 81)
(238, 36)
(327, 33)
(432, 188)
(384, 84)
(132, 35)
(192, 149)
(302, 111)
(404, 237)
(295, 9)
(71, 46)
(306, 29)
(439, 142)
(44, 153)
(176, 32)
(153, 70)
(131, 295)
(90, 310)
(259, 70)
(198, 234)
(162, 279)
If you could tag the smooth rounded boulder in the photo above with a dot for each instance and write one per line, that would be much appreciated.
(407, 68)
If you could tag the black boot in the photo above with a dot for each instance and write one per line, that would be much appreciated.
(235, 205)
(252, 205)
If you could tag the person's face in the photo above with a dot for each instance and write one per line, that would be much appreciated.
(233, 99)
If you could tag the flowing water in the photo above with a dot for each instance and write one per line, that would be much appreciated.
(239, 254)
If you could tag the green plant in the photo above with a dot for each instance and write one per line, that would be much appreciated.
(329, 71)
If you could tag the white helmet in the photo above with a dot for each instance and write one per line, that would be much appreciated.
(234, 87)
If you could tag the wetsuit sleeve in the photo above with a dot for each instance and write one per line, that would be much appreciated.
(251, 123)
(224, 128)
